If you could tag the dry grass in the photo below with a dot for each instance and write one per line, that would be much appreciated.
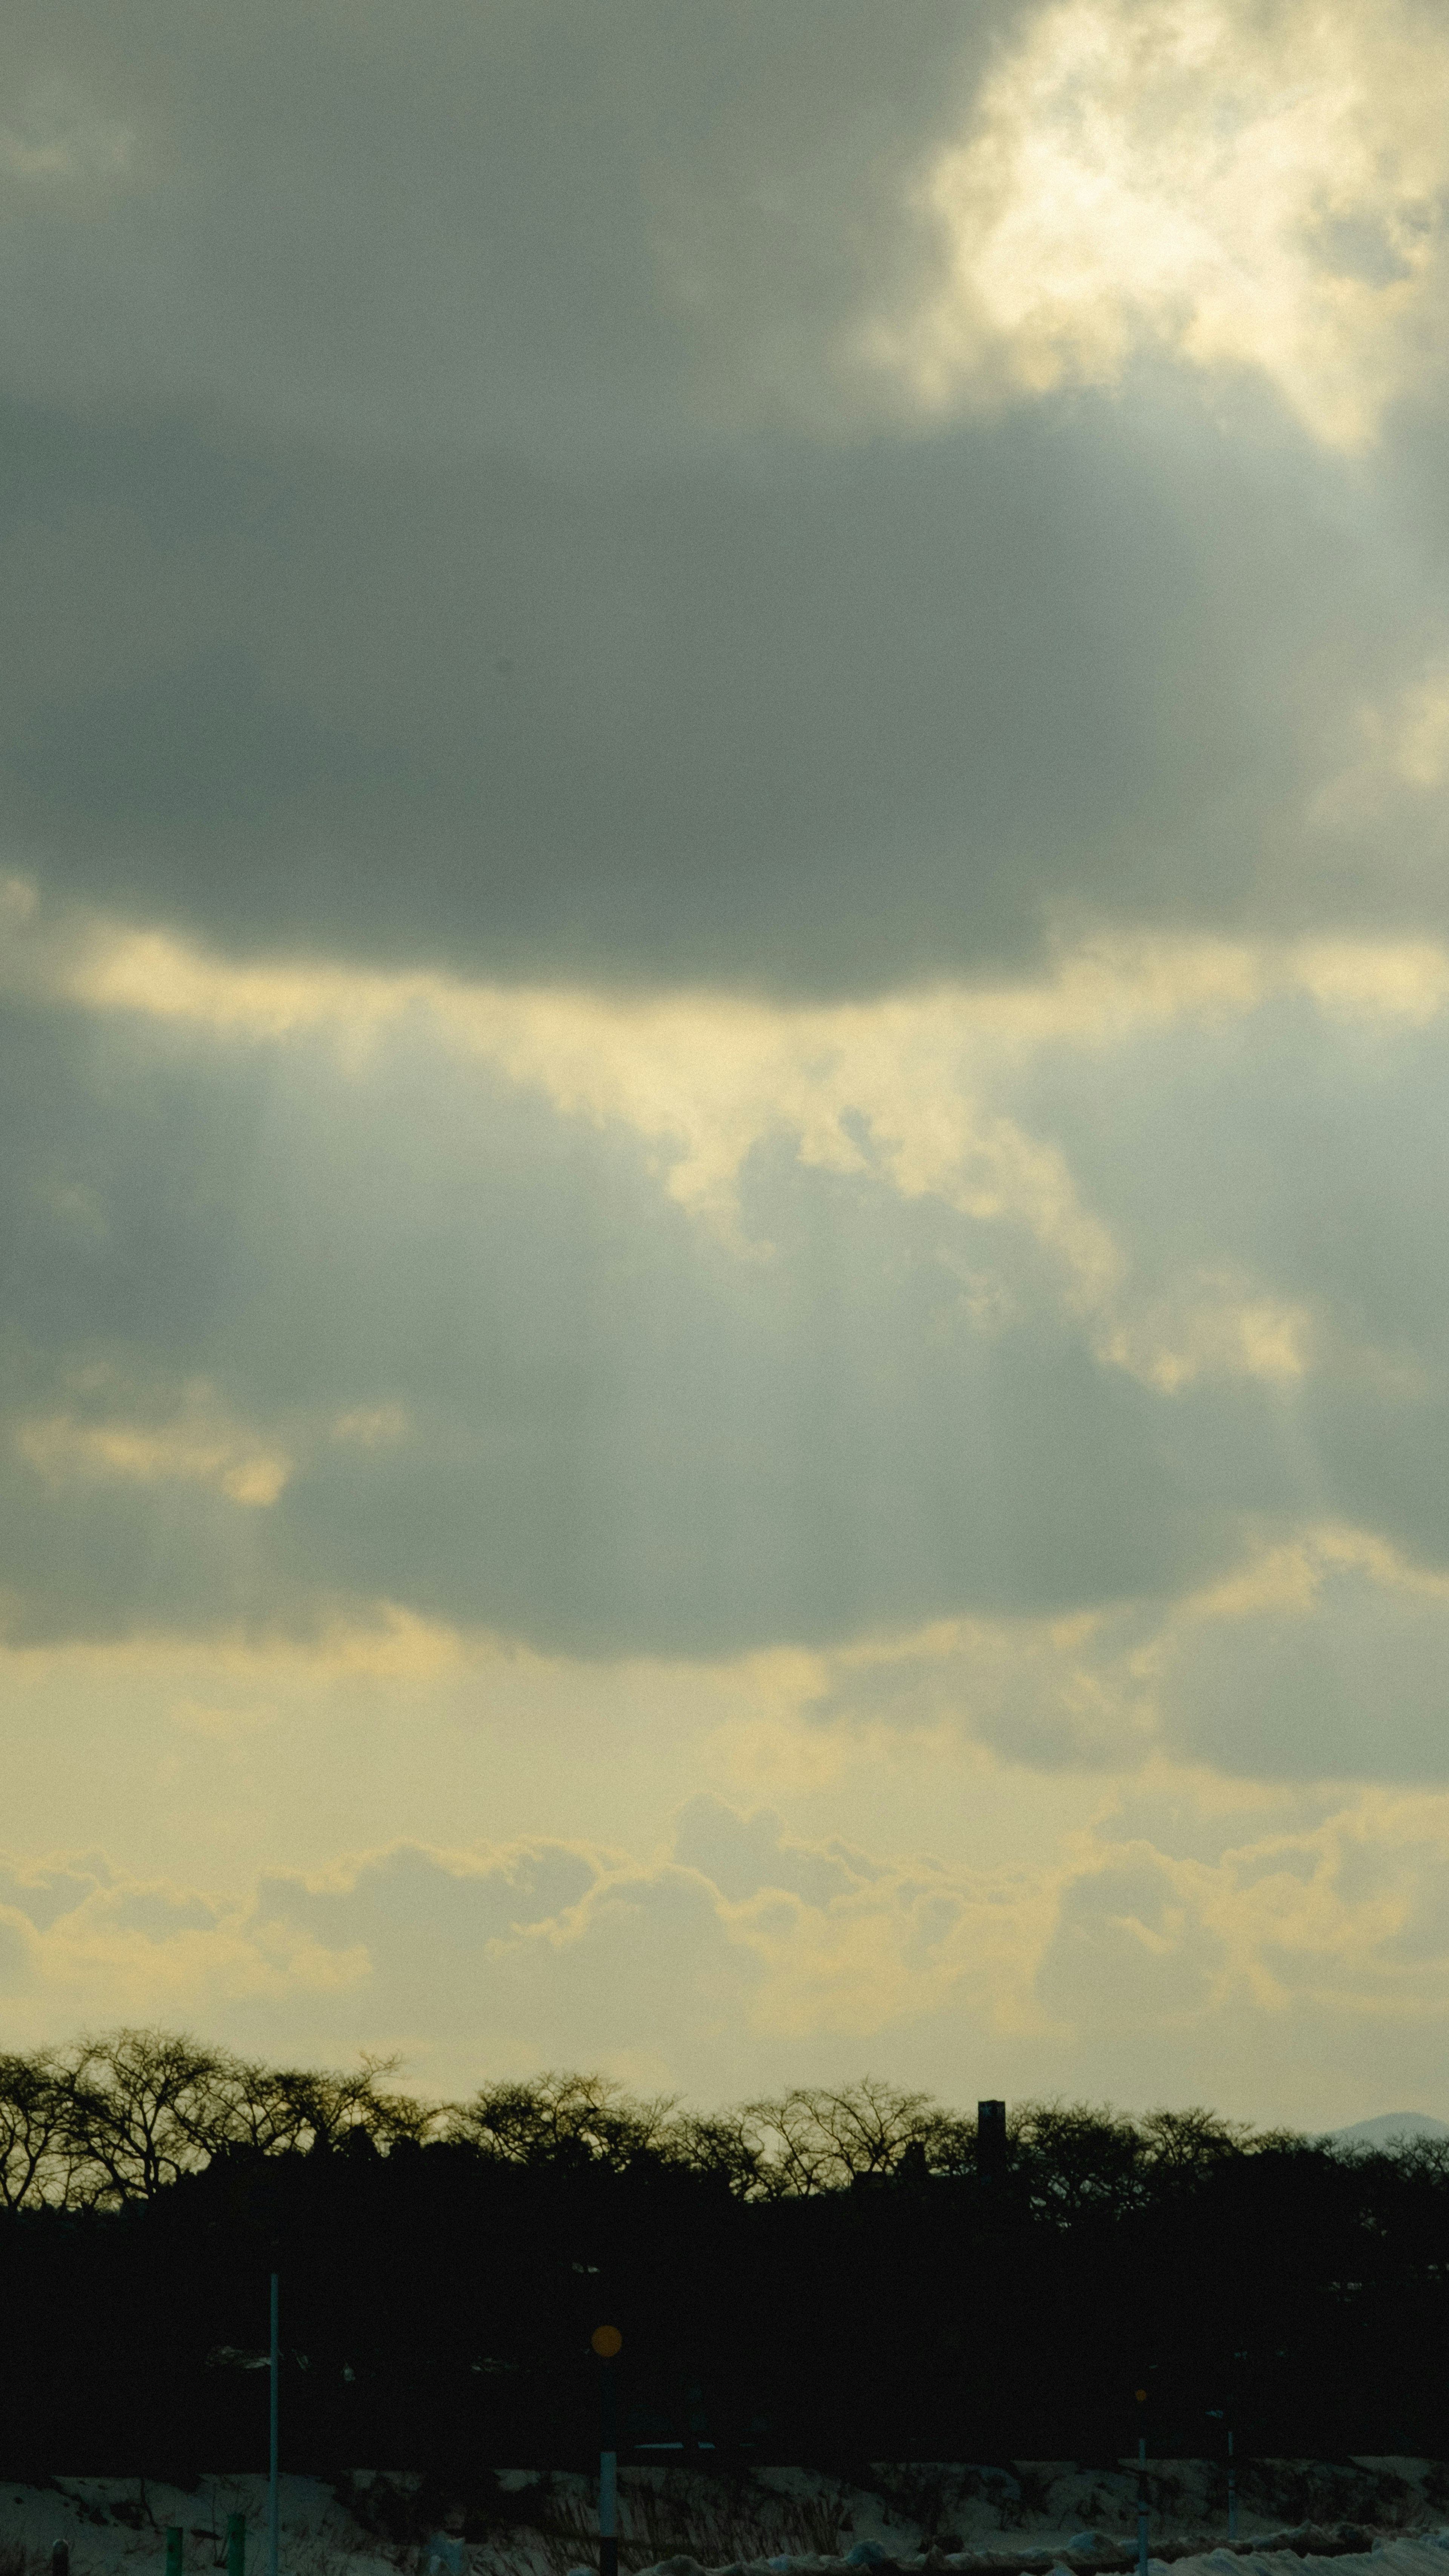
(716, 2520)
(1321, 2491)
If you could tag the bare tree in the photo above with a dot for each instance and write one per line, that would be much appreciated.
(1191, 2142)
(35, 2149)
(141, 2107)
(722, 2143)
(118, 2115)
(557, 2117)
(816, 2139)
(299, 2108)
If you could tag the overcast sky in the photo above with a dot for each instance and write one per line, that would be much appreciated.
(724, 1004)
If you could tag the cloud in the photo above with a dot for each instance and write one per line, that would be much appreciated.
(457, 1900)
(1331, 1662)
(44, 1891)
(894, 1090)
(1320, 1658)
(1249, 189)
(507, 561)
(742, 1855)
(432, 208)
(1202, 1941)
(1130, 1946)
(1406, 747)
(63, 1450)
(1078, 1693)
(336, 1288)
(236, 691)
(59, 153)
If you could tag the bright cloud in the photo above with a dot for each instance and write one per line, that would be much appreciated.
(1245, 188)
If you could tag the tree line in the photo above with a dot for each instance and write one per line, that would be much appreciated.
(113, 2118)
(831, 2276)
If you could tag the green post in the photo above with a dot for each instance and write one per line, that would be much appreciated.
(236, 2544)
(175, 2549)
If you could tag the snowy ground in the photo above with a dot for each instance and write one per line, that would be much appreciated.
(1048, 2515)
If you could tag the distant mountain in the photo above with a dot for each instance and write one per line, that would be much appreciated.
(1388, 2126)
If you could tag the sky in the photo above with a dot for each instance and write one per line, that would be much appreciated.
(724, 1004)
